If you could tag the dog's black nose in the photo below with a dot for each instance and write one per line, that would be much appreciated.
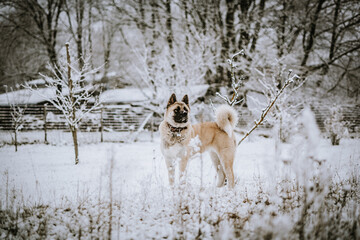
(181, 117)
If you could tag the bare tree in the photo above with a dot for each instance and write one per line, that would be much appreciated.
(74, 100)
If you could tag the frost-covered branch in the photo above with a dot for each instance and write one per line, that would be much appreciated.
(266, 110)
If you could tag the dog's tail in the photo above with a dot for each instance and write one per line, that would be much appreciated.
(226, 118)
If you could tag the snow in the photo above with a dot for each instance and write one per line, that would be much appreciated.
(36, 82)
(27, 96)
(125, 95)
(144, 204)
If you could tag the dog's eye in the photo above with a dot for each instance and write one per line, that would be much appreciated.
(177, 109)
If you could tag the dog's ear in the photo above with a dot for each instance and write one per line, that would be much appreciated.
(172, 100)
(185, 100)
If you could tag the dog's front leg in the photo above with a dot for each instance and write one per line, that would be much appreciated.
(183, 163)
(171, 170)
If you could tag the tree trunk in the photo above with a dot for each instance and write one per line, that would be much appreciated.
(170, 37)
(186, 14)
(310, 40)
(169, 26)
(102, 124)
(72, 123)
(257, 26)
(334, 34)
(15, 139)
(79, 33)
(229, 40)
(107, 52)
(281, 30)
(335, 140)
(90, 34)
(45, 124)
(141, 24)
(108, 34)
(245, 19)
(76, 147)
(53, 61)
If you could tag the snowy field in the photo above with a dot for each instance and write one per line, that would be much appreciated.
(299, 190)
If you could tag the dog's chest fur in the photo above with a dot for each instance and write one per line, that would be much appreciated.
(173, 144)
(174, 151)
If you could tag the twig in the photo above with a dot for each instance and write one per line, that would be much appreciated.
(234, 83)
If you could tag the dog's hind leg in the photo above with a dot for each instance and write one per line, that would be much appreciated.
(219, 169)
(227, 160)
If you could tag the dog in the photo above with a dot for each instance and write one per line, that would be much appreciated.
(178, 134)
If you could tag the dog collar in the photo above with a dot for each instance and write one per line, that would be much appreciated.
(176, 129)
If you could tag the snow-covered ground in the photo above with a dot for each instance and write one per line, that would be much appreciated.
(43, 194)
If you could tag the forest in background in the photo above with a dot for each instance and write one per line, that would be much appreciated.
(163, 43)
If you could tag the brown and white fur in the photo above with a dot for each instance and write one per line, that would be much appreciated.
(217, 137)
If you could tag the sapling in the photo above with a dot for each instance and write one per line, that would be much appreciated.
(18, 106)
(74, 99)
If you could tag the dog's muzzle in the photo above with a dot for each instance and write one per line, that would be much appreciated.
(181, 117)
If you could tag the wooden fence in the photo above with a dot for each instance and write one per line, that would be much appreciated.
(129, 117)
(118, 118)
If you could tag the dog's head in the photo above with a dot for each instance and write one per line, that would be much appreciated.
(177, 113)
